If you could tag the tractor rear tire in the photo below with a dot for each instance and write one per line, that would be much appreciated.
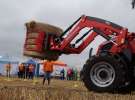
(104, 73)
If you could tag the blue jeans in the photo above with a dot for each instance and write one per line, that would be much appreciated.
(47, 75)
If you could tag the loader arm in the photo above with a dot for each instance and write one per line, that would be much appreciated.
(96, 27)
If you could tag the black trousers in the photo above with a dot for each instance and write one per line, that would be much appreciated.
(30, 75)
(21, 74)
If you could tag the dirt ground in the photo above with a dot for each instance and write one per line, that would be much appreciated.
(22, 89)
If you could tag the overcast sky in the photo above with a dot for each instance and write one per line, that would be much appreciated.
(62, 13)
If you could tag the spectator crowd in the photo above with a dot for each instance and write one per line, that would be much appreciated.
(26, 71)
(70, 74)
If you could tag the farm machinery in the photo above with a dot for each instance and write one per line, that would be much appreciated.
(112, 68)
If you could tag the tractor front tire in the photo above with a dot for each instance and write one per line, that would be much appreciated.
(104, 74)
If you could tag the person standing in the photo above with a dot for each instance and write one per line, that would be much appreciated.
(75, 74)
(48, 69)
(69, 74)
(21, 71)
(27, 71)
(8, 69)
(62, 74)
(31, 71)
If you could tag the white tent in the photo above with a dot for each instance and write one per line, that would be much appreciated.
(14, 64)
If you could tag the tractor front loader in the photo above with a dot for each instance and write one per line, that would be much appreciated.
(112, 68)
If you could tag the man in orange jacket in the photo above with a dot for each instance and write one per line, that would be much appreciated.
(48, 69)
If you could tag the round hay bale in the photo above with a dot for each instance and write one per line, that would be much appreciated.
(33, 29)
(30, 46)
(34, 26)
(30, 41)
(32, 35)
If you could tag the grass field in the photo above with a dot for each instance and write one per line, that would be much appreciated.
(17, 89)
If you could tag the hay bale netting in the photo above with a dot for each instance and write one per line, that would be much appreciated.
(33, 29)
(34, 26)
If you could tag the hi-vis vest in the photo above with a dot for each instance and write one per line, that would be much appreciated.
(48, 66)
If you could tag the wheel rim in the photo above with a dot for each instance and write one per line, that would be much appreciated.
(102, 74)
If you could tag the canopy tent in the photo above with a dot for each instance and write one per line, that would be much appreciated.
(31, 61)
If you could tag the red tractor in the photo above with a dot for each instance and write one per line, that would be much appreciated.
(112, 68)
